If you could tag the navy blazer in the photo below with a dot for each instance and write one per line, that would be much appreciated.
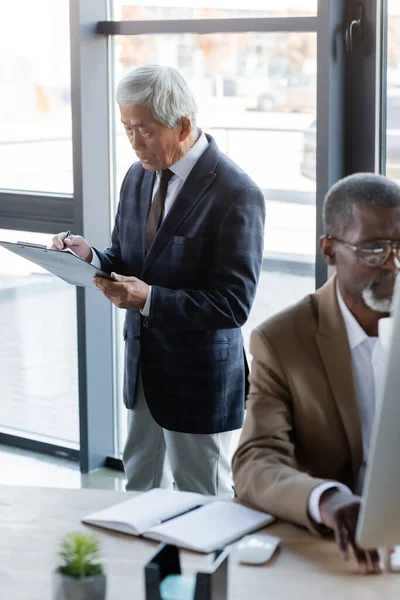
(203, 267)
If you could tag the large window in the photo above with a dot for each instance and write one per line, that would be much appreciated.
(393, 92)
(204, 9)
(38, 350)
(35, 104)
(39, 406)
(285, 93)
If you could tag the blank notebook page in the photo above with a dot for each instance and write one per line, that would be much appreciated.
(147, 509)
(211, 526)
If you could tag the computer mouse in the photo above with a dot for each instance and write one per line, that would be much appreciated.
(257, 548)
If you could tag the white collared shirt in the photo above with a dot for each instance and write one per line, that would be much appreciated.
(181, 170)
(368, 360)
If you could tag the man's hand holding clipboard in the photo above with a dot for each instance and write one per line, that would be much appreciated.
(69, 258)
(123, 292)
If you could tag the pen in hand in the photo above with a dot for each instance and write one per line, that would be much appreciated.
(75, 243)
(67, 235)
(58, 242)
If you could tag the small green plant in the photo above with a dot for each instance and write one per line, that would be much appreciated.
(81, 554)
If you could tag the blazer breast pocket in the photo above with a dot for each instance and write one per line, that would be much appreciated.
(187, 242)
(187, 250)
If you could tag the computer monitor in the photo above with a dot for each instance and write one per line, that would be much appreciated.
(379, 521)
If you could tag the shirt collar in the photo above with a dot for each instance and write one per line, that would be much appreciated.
(184, 165)
(355, 333)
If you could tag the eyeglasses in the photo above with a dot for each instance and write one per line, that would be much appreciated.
(374, 253)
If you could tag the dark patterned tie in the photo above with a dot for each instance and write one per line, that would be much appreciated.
(157, 208)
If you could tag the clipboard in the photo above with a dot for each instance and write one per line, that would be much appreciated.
(64, 264)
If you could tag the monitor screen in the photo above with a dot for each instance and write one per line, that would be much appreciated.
(379, 520)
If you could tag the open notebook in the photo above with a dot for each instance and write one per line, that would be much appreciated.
(188, 520)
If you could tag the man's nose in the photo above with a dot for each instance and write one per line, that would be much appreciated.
(137, 142)
(393, 261)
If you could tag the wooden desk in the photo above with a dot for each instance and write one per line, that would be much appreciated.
(32, 521)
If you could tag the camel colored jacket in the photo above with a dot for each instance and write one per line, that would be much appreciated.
(302, 425)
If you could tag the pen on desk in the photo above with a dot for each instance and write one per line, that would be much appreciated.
(185, 512)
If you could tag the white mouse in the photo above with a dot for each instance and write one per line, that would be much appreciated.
(257, 548)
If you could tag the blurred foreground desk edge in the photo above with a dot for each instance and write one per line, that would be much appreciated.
(32, 521)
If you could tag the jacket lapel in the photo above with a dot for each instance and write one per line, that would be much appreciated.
(195, 186)
(146, 195)
(336, 355)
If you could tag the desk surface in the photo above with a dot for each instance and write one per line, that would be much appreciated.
(32, 521)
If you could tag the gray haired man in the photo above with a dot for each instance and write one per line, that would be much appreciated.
(185, 257)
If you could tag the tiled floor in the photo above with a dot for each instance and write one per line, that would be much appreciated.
(20, 467)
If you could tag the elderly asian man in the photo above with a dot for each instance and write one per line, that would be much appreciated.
(185, 254)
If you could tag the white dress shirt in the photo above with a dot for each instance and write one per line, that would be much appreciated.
(181, 170)
(368, 358)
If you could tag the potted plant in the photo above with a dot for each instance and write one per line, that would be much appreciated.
(81, 576)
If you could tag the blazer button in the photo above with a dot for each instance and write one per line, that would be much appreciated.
(136, 338)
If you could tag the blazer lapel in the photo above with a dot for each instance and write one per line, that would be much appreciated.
(195, 186)
(336, 355)
(145, 196)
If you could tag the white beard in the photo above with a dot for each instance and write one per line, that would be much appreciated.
(382, 305)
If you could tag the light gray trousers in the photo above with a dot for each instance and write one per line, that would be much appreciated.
(156, 457)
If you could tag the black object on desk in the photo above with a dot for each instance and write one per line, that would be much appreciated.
(210, 585)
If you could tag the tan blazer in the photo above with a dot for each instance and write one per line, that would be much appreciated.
(302, 424)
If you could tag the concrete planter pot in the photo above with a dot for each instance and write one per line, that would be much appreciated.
(70, 588)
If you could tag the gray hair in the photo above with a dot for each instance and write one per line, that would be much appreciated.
(163, 90)
(363, 188)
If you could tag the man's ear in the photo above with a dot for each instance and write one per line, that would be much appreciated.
(327, 249)
(186, 128)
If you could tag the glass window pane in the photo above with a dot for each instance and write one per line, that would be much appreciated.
(393, 92)
(35, 105)
(38, 353)
(257, 97)
(130, 10)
